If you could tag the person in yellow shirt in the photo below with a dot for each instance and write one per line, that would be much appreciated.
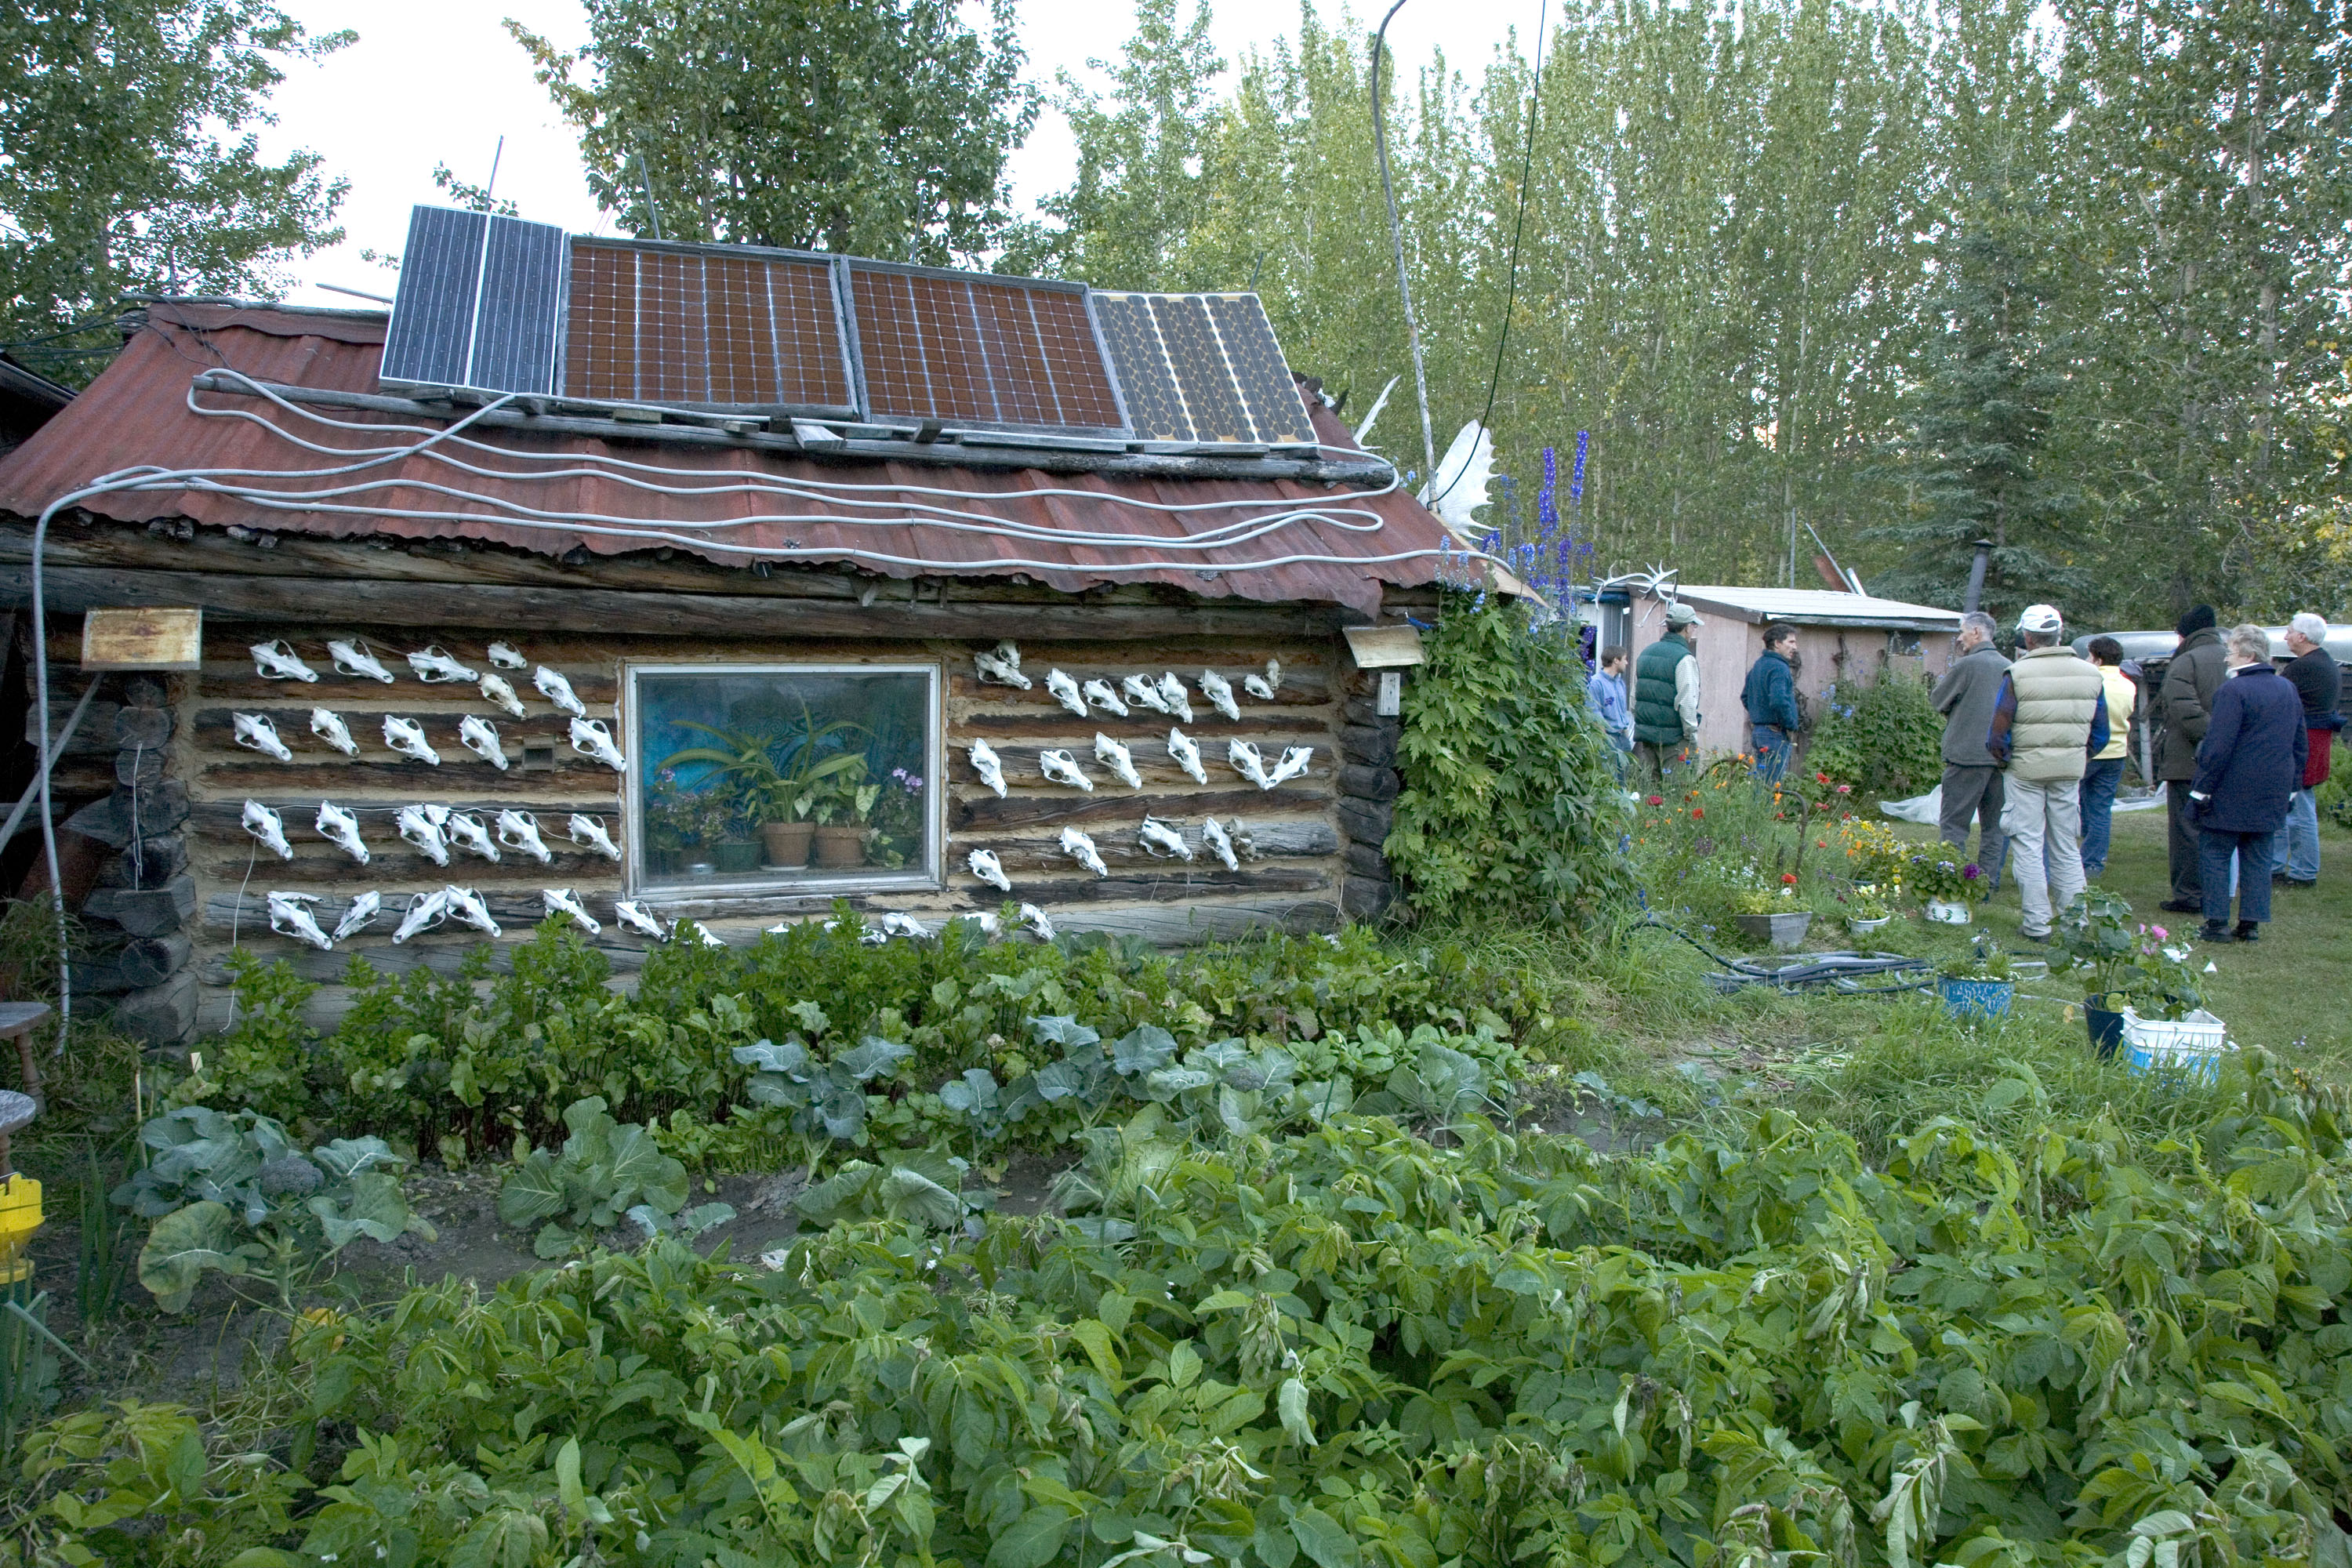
(2105, 770)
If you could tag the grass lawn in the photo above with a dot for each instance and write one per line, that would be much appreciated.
(2290, 992)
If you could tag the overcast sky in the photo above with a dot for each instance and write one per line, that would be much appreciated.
(439, 81)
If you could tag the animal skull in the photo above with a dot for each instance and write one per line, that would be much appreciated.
(1264, 687)
(1248, 762)
(1081, 849)
(563, 900)
(990, 869)
(1060, 767)
(277, 661)
(434, 665)
(986, 763)
(1066, 691)
(479, 736)
(255, 732)
(1219, 693)
(269, 828)
(363, 913)
(495, 689)
(341, 828)
(558, 690)
(1187, 755)
(1035, 918)
(468, 907)
(590, 738)
(1002, 666)
(907, 926)
(506, 657)
(1159, 839)
(425, 910)
(418, 825)
(635, 919)
(329, 727)
(1099, 693)
(520, 830)
(354, 658)
(1118, 759)
(589, 832)
(467, 833)
(407, 737)
(1214, 835)
(1294, 763)
(1172, 700)
(1144, 692)
(288, 918)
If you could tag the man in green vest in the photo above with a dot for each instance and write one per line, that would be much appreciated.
(1666, 694)
(2049, 721)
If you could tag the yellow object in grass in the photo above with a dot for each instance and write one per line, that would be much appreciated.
(20, 1217)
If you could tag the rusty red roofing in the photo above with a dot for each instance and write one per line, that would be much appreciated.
(137, 412)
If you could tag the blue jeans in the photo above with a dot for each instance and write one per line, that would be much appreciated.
(1771, 751)
(2253, 852)
(2098, 800)
(2298, 847)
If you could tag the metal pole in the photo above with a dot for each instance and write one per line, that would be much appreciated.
(1396, 238)
(56, 749)
(1975, 578)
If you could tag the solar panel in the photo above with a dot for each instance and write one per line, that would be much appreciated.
(705, 326)
(1202, 368)
(478, 303)
(976, 350)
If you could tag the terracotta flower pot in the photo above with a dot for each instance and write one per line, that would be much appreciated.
(840, 843)
(785, 845)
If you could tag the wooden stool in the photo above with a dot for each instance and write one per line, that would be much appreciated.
(18, 1022)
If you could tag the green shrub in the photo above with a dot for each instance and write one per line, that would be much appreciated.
(1883, 737)
(1510, 809)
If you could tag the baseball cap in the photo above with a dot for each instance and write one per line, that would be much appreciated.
(2041, 618)
(1683, 615)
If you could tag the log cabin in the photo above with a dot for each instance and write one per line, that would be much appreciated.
(712, 616)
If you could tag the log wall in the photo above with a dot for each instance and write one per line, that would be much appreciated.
(211, 879)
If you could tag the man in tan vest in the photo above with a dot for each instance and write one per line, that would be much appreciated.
(2050, 719)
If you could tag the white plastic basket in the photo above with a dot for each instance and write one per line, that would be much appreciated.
(2193, 1045)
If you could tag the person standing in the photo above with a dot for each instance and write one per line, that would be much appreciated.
(1665, 693)
(2185, 705)
(2247, 767)
(1965, 697)
(1771, 698)
(1605, 689)
(2048, 722)
(2318, 681)
(2106, 770)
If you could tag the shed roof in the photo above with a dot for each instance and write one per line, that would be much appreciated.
(1265, 539)
(1818, 608)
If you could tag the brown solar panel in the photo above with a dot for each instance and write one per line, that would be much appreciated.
(1201, 367)
(699, 328)
(979, 350)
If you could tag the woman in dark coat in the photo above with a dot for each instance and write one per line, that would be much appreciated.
(2249, 763)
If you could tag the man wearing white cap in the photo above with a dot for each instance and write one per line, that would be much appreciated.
(1666, 694)
(2049, 721)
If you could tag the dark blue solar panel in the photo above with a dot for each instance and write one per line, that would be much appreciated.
(515, 325)
(432, 331)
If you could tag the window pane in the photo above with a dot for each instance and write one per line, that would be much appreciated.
(768, 775)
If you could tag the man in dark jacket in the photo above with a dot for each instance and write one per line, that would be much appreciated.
(2185, 705)
(2313, 674)
(2249, 762)
(1964, 696)
(1666, 694)
(1771, 698)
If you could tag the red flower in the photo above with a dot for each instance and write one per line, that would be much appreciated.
(1657, 800)
(1698, 814)
(1788, 878)
(1821, 778)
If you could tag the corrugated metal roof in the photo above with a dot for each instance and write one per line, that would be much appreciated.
(1818, 607)
(137, 412)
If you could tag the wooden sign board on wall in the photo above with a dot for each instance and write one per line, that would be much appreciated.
(143, 640)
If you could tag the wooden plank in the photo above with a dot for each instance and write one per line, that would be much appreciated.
(249, 773)
(234, 680)
(983, 814)
(1286, 838)
(74, 589)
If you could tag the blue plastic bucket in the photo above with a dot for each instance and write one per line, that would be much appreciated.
(1987, 1000)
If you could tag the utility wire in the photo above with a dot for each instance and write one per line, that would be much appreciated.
(1511, 291)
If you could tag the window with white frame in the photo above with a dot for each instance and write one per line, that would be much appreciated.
(755, 777)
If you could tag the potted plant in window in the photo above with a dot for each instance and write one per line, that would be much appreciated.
(778, 779)
(898, 820)
(842, 803)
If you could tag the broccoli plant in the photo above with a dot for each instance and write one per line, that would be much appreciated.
(604, 1171)
(229, 1190)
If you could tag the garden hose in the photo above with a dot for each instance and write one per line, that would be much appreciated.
(1838, 971)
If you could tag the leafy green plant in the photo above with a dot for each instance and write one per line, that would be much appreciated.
(231, 1192)
(1983, 960)
(1510, 805)
(776, 776)
(912, 1187)
(1882, 737)
(2130, 962)
(1945, 878)
(604, 1171)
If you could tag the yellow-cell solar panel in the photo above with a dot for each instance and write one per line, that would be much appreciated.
(703, 328)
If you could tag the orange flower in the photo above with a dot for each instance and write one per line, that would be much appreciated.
(1789, 879)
